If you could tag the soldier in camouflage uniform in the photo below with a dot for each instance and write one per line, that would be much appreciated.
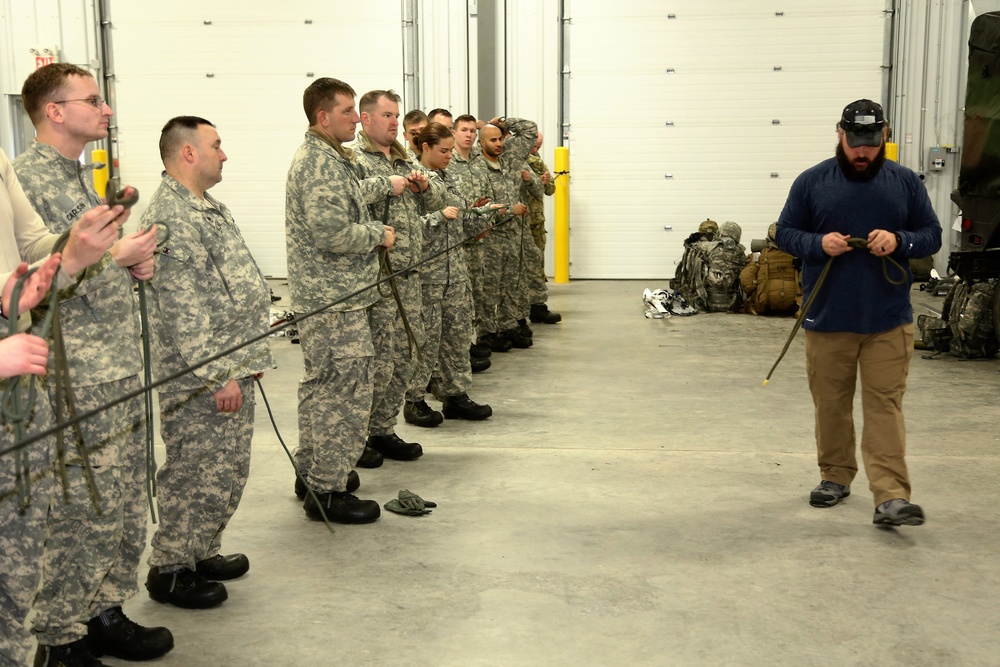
(442, 116)
(208, 296)
(332, 243)
(446, 293)
(382, 158)
(470, 175)
(24, 237)
(91, 560)
(414, 121)
(506, 144)
(537, 297)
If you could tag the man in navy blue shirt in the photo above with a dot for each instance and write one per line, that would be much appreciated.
(859, 318)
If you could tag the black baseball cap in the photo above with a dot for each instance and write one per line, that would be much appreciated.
(862, 122)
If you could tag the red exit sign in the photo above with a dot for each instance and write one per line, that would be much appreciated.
(42, 61)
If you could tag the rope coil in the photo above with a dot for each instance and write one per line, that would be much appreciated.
(854, 243)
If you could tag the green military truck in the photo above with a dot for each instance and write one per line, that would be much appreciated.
(978, 194)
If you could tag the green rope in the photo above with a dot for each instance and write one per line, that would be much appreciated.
(298, 473)
(17, 404)
(854, 243)
(24, 441)
(147, 376)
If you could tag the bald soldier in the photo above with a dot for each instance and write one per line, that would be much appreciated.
(506, 143)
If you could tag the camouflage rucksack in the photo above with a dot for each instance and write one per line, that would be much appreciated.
(692, 269)
(725, 259)
(771, 283)
(970, 318)
(933, 334)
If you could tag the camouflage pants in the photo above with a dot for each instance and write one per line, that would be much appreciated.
(475, 259)
(500, 258)
(538, 232)
(335, 396)
(533, 269)
(446, 315)
(91, 560)
(202, 480)
(389, 390)
(22, 537)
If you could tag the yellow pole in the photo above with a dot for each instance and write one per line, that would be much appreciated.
(892, 151)
(561, 227)
(100, 175)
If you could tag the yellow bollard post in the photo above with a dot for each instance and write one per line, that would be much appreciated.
(561, 227)
(100, 175)
(892, 151)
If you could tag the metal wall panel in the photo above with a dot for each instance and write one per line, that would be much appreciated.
(685, 110)
(244, 67)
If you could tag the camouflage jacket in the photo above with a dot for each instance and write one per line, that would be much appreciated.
(505, 175)
(405, 211)
(471, 180)
(330, 234)
(23, 235)
(440, 233)
(99, 314)
(536, 204)
(207, 295)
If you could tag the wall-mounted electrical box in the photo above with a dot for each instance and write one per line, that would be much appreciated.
(935, 158)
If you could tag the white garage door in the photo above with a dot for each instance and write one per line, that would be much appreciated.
(691, 109)
(243, 66)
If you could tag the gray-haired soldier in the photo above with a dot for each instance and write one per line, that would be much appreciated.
(332, 241)
(91, 560)
(208, 296)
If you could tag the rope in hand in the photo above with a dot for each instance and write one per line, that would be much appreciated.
(17, 406)
(147, 376)
(854, 243)
(24, 441)
(385, 269)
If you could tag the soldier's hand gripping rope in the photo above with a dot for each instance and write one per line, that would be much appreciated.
(854, 243)
(23, 440)
(75, 249)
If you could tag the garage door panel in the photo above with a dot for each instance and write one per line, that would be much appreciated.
(608, 12)
(722, 136)
(245, 72)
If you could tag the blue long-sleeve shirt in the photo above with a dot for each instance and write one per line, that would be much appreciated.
(856, 297)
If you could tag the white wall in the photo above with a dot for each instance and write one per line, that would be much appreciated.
(925, 101)
(244, 67)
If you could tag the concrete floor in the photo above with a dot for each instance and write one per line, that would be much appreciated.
(638, 498)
